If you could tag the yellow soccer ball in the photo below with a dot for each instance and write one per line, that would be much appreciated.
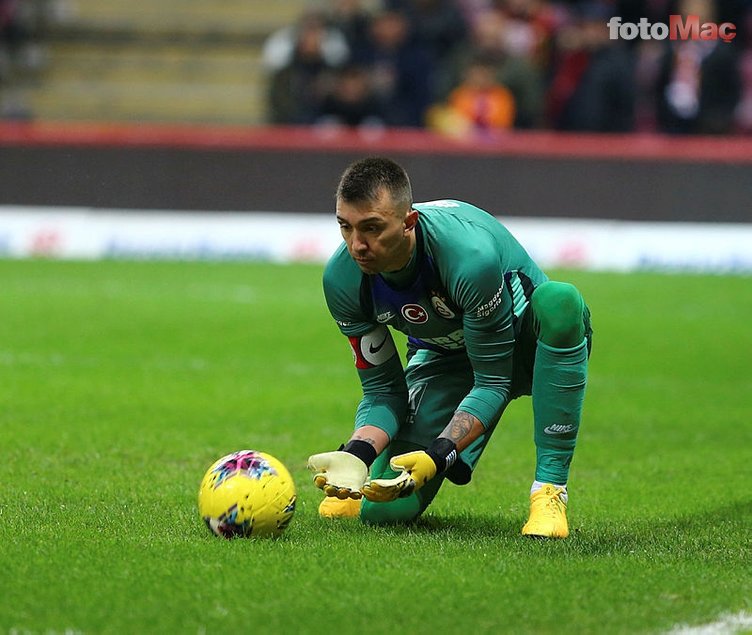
(247, 493)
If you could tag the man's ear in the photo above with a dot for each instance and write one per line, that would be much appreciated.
(411, 220)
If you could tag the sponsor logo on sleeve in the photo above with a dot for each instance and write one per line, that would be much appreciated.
(489, 307)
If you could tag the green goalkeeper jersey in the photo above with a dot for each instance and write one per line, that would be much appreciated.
(463, 292)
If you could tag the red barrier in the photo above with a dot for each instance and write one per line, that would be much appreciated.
(544, 144)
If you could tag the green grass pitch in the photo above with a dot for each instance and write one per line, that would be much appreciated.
(121, 382)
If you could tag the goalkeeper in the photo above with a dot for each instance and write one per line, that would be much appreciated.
(484, 326)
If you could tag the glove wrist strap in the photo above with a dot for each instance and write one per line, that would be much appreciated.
(443, 452)
(363, 450)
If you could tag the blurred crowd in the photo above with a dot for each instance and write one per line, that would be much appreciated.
(460, 66)
(469, 66)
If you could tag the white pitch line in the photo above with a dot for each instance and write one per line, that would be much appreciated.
(725, 625)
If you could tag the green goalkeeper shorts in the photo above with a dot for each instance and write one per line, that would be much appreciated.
(437, 383)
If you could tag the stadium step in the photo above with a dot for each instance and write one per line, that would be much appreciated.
(223, 17)
(166, 61)
(153, 82)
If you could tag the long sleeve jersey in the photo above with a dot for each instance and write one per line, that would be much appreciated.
(463, 292)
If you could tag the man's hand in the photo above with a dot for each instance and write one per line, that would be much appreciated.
(417, 469)
(339, 474)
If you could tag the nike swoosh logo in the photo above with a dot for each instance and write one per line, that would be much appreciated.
(375, 349)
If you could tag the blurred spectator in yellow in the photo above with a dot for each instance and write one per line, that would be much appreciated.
(298, 87)
(352, 101)
(592, 88)
(699, 83)
(479, 104)
(516, 69)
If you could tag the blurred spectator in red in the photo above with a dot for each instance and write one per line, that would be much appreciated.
(479, 104)
(352, 101)
(592, 88)
(297, 88)
(529, 27)
(401, 70)
(699, 83)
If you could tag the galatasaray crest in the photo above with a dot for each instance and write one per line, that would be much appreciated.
(439, 305)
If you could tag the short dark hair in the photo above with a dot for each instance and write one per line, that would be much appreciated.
(362, 181)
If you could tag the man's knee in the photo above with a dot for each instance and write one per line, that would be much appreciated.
(400, 511)
(559, 307)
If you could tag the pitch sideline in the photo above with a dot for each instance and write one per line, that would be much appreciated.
(725, 625)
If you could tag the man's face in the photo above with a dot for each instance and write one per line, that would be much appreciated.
(379, 235)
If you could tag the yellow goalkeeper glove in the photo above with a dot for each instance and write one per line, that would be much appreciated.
(339, 474)
(417, 468)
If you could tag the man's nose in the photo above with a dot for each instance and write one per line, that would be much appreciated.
(358, 243)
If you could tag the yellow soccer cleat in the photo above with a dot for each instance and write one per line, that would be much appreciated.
(548, 514)
(333, 507)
